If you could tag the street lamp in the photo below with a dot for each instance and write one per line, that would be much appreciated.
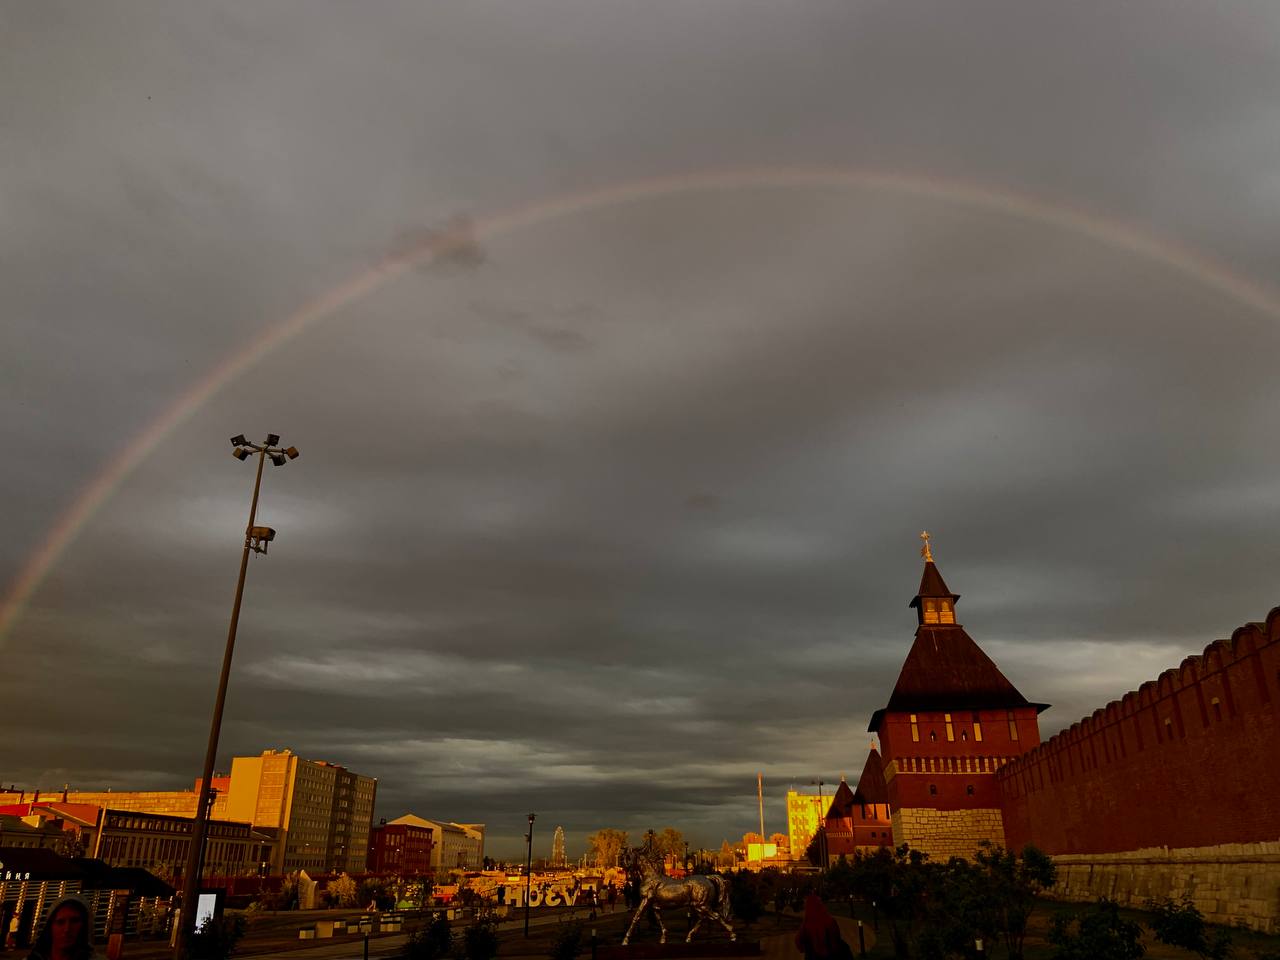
(822, 825)
(256, 539)
(528, 874)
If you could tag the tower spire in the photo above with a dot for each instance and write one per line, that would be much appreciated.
(934, 601)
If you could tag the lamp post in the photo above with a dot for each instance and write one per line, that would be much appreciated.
(822, 825)
(528, 874)
(256, 540)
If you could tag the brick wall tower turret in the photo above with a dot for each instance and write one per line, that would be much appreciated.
(952, 721)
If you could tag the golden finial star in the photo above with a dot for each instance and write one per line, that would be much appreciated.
(925, 551)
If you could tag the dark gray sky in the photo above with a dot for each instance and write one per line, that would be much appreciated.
(609, 522)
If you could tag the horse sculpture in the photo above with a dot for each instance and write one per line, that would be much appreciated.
(708, 897)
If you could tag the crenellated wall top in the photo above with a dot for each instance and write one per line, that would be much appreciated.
(1219, 656)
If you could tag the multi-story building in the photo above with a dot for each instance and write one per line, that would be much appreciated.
(804, 815)
(400, 848)
(321, 812)
(161, 844)
(177, 803)
(156, 842)
(18, 832)
(455, 846)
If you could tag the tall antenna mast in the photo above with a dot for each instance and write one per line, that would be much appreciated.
(760, 795)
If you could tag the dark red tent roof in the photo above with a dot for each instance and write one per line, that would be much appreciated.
(841, 803)
(945, 669)
(933, 586)
(872, 787)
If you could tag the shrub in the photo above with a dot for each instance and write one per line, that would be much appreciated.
(479, 942)
(745, 901)
(1100, 934)
(431, 941)
(1181, 924)
(217, 938)
(567, 943)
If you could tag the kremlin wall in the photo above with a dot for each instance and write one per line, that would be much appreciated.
(1170, 791)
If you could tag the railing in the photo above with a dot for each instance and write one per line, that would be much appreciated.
(948, 765)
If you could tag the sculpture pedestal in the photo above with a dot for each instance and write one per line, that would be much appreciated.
(678, 950)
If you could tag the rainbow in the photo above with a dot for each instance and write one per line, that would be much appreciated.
(1109, 232)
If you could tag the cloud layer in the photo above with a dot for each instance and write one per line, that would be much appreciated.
(607, 521)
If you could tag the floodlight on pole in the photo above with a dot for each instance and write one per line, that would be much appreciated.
(528, 874)
(256, 539)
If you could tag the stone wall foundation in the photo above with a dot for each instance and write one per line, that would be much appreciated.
(1232, 883)
(943, 834)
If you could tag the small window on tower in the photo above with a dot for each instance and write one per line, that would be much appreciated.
(933, 789)
(933, 735)
(915, 730)
(946, 612)
(964, 734)
(931, 611)
(1217, 708)
(969, 789)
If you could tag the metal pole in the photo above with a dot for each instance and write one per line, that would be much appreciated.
(822, 826)
(528, 874)
(191, 880)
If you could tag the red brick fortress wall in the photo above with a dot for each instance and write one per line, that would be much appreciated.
(1191, 759)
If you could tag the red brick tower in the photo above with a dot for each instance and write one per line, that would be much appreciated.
(859, 819)
(952, 721)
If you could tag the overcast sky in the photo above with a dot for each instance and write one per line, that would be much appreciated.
(606, 521)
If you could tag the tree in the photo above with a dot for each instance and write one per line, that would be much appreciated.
(897, 882)
(1013, 885)
(1181, 924)
(670, 842)
(69, 845)
(813, 852)
(726, 859)
(1099, 933)
(606, 846)
(342, 891)
(288, 896)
